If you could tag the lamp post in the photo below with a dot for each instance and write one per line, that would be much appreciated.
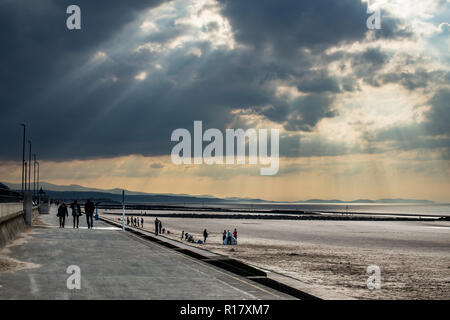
(123, 210)
(29, 167)
(38, 189)
(25, 177)
(34, 174)
(23, 158)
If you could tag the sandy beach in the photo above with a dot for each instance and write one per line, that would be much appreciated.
(414, 257)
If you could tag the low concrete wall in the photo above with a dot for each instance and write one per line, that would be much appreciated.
(11, 228)
(12, 221)
(7, 209)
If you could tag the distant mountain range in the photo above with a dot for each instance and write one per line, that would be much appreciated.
(73, 191)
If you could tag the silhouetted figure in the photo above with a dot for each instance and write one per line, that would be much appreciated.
(156, 226)
(205, 235)
(76, 213)
(182, 235)
(235, 233)
(160, 226)
(224, 236)
(142, 222)
(89, 208)
(128, 221)
(62, 214)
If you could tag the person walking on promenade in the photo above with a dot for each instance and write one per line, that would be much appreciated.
(228, 237)
(128, 221)
(205, 235)
(224, 236)
(182, 235)
(142, 222)
(156, 226)
(160, 226)
(89, 208)
(62, 214)
(76, 213)
(235, 233)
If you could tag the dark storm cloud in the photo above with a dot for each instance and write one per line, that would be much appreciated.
(318, 82)
(367, 64)
(374, 56)
(38, 54)
(79, 109)
(414, 80)
(392, 27)
(286, 26)
(307, 111)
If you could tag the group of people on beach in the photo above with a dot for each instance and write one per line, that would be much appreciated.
(135, 221)
(190, 238)
(63, 212)
(227, 237)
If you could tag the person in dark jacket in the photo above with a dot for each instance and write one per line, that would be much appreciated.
(156, 226)
(89, 208)
(160, 226)
(142, 222)
(76, 213)
(205, 235)
(62, 214)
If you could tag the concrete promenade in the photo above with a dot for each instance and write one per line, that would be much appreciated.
(114, 265)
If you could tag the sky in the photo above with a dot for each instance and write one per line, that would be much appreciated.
(362, 113)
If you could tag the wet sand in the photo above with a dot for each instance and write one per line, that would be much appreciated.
(414, 257)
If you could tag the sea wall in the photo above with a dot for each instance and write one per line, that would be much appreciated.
(12, 221)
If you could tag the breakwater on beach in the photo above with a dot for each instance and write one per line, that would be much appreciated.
(340, 217)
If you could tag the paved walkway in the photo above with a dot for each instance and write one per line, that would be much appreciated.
(115, 265)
